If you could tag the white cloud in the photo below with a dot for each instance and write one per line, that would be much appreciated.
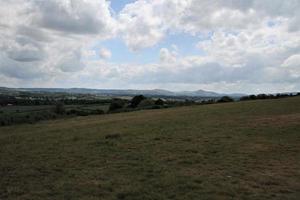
(105, 53)
(145, 23)
(20, 70)
(166, 56)
(51, 34)
(75, 16)
(292, 61)
(292, 64)
(71, 62)
(250, 44)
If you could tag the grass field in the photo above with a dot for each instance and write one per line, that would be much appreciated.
(243, 150)
(10, 115)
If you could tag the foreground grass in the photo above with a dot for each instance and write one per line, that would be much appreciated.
(244, 150)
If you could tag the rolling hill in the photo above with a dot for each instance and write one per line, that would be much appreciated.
(242, 150)
(117, 92)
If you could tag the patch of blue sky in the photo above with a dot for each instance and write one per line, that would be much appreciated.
(271, 23)
(185, 43)
(118, 5)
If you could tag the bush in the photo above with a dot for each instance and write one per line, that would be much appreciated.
(159, 102)
(82, 113)
(188, 102)
(116, 104)
(2, 123)
(156, 107)
(135, 101)
(246, 98)
(209, 101)
(79, 112)
(96, 112)
(146, 103)
(225, 99)
(261, 96)
(99, 112)
(113, 136)
(60, 108)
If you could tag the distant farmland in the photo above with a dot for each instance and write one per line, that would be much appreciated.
(241, 150)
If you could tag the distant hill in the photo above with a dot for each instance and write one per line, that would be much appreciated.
(118, 92)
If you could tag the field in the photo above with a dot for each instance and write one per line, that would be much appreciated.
(10, 115)
(241, 150)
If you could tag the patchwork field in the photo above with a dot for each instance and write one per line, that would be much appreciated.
(242, 150)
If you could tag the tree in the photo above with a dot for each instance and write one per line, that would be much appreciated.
(225, 99)
(60, 108)
(261, 96)
(146, 103)
(159, 102)
(136, 100)
(116, 104)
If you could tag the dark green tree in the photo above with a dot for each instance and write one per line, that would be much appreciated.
(225, 99)
(60, 108)
(136, 100)
(159, 102)
(116, 104)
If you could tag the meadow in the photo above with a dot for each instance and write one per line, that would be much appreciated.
(10, 115)
(239, 150)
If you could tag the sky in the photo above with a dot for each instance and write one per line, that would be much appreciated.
(230, 46)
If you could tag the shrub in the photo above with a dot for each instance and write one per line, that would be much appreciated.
(59, 108)
(116, 104)
(188, 102)
(157, 107)
(261, 96)
(2, 123)
(112, 136)
(78, 112)
(159, 102)
(99, 112)
(72, 112)
(250, 97)
(82, 113)
(96, 112)
(146, 103)
(136, 100)
(225, 99)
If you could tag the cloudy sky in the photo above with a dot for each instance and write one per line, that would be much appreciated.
(248, 46)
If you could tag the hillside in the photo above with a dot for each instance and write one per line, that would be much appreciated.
(118, 92)
(243, 150)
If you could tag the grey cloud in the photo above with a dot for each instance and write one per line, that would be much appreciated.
(25, 55)
(35, 36)
(75, 17)
(20, 70)
(26, 50)
(253, 72)
(71, 63)
(34, 33)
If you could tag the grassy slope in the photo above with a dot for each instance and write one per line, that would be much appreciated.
(245, 150)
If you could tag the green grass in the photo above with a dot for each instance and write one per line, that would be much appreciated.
(244, 150)
(30, 109)
(10, 115)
